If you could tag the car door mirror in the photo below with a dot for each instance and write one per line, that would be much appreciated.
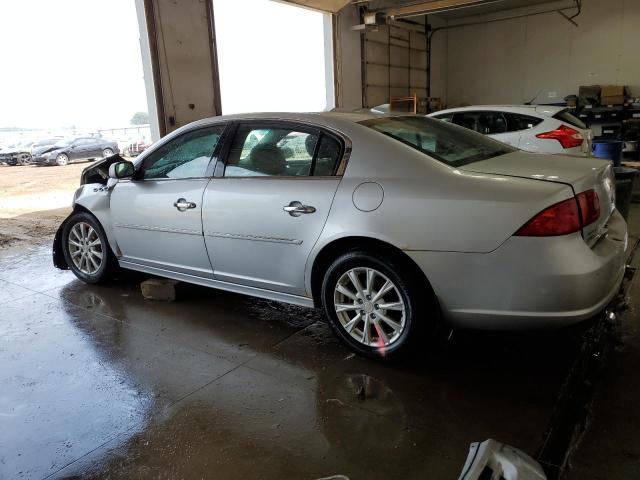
(120, 170)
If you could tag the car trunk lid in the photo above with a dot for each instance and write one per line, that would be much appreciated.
(581, 173)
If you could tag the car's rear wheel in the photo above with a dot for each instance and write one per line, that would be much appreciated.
(86, 249)
(107, 152)
(373, 303)
(25, 160)
(62, 159)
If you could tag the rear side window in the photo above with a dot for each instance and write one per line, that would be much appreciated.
(567, 117)
(445, 117)
(517, 122)
(487, 123)
(281, 151)
(447, 143)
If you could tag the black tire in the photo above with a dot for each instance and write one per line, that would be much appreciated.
(419, 309)
(107, 152)
(109, 263)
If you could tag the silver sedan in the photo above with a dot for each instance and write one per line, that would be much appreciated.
(393, 224)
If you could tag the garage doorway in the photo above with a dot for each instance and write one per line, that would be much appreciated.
(273, 57)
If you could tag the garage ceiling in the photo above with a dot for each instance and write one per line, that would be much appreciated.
(408, 8)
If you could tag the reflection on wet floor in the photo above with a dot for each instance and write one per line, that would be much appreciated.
(96, 381)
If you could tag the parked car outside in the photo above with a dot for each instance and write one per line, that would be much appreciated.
(533, 128)
(135, 147)
(44, 142)
(18, 153)
(74, 150)
(392, 223)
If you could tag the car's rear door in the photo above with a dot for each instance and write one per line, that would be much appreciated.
(268, 203)
(487, 122)
(157, 216)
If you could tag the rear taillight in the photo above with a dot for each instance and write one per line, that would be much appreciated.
(565, 217)
(589, 207)
(567, 136)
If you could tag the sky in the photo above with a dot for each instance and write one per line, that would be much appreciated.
(272, 58)
(78, 63)
(69, 62)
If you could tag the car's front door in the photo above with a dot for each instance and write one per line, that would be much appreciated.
(79, 149)
(266, 207)
(156, 216)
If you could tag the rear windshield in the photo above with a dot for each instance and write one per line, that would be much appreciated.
(567, 117)
(450, 144)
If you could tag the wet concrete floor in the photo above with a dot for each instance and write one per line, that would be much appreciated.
(97, 382)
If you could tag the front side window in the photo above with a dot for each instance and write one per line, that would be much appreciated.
(444, 142)
(186, 156)
(281, 151)
(445, 117)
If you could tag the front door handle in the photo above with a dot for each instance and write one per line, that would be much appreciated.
(181, 204)
(295, 209)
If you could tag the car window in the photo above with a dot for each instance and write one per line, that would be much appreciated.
(279, 151)
(447, 143)
(487, 123)
(328, 156)
(186, 156)
(445, 117)
(518, 121)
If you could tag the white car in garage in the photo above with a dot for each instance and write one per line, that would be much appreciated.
(534, 128)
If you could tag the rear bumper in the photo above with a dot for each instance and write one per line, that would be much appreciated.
(529, 282)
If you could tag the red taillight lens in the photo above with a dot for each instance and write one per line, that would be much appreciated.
(589, 206)
(559, 219)
(567, 136)
(565, 217)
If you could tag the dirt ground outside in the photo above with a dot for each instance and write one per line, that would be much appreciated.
(34, 201)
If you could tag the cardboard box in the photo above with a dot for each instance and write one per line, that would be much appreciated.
(612, 95)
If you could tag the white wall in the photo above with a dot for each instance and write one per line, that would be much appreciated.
(511, 61)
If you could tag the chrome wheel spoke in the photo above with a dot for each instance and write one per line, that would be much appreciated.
(345, 307)
(346, 292)
(365, 330)
(381, 333)
(370, 277)
(392, 323)
(387, 287)
(398, 306)
(349, 326)
(355, 281)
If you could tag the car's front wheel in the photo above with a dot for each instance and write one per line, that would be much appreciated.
(373, 303)
(86, 249)
(107, 152)
(62, 159)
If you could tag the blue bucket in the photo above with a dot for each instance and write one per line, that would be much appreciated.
(609, 149)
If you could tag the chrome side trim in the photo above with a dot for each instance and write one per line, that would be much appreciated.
(257, 238)
(158, 229)
(230, 287)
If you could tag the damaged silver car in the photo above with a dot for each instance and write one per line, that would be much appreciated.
(392, 224)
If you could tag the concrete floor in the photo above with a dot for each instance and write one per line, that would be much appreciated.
(97, 382)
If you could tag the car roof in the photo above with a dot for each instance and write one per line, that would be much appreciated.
(546, 110)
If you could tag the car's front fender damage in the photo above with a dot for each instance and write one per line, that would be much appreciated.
(92, 197)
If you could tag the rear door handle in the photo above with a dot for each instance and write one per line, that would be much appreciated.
(295, 209)
(181, 204)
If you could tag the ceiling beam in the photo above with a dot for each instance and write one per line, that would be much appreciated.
(434, 6)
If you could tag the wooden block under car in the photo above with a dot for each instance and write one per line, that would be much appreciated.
(162, 289)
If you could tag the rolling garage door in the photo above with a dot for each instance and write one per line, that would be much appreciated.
(395, 63)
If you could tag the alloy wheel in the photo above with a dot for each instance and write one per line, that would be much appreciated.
(369, 307)
(107, 152)
(85, 248)
(62, 160)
